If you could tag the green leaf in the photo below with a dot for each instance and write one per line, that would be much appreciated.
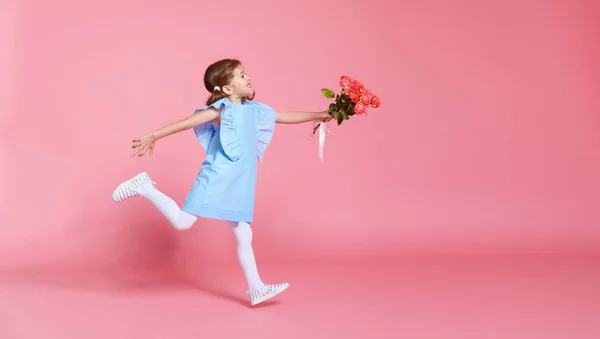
(350, 109)
(339, 117)
(328, 93)
(345, 115)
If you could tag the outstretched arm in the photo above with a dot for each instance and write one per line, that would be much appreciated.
(301, 117)
(187, 123)
(146, 142)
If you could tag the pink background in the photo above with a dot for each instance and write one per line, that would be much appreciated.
(487, 138)
(464, 207)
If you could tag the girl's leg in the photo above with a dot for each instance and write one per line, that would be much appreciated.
(142, 185)
(258, 290)
(243, 236)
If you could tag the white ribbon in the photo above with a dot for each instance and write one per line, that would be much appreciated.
(324, 129)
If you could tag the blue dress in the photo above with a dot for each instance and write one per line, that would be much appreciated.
(225, 186)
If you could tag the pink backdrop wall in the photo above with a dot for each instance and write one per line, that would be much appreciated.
(7, 17)
(487, 138)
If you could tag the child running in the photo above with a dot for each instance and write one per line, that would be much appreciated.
(234, 132)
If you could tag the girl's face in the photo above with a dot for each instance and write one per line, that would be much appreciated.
(240, 85)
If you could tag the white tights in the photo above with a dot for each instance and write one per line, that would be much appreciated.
(182, 220)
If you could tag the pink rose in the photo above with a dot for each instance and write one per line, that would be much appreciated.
(360, 108)
(355, 95)
(344, 82)
(367, 97)
(375, 101)
(349, 84)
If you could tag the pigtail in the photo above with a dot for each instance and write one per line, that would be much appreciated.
(215, 96)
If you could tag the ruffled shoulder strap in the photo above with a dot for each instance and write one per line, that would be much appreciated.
(265, 118)
(206, 131)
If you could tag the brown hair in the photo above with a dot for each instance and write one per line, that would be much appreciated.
(220, 74)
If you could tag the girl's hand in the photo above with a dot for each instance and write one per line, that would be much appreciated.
(142, 144)
(324, 115)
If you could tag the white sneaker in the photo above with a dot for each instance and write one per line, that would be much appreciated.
(128, 189)
(267, 292)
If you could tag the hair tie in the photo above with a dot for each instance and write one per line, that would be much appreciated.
(217, 88)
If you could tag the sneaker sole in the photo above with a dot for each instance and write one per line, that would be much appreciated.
(267, 297)
(115, 194)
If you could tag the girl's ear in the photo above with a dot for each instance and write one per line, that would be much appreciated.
(227, 90)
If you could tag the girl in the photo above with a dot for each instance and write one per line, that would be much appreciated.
(234, 131)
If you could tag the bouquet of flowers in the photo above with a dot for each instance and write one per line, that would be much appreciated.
(354, 98)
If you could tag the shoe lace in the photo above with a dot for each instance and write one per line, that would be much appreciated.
(136, 182)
